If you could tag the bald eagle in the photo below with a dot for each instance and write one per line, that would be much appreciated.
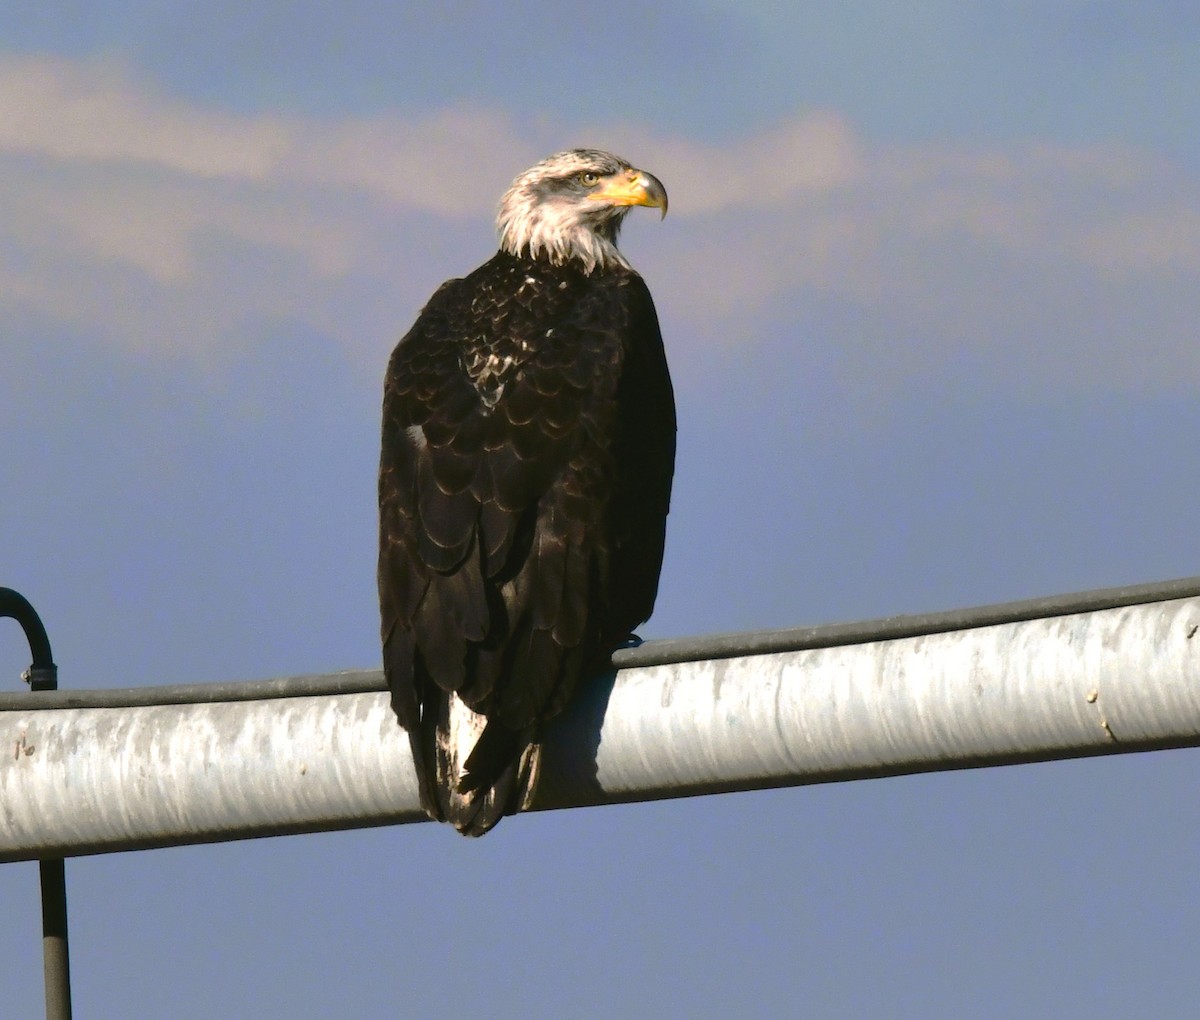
(528, 452)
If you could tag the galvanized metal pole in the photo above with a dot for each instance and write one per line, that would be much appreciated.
(42, 675)
(92, 772)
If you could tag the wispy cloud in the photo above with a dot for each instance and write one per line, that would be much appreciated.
(168, 227)
(92, 113)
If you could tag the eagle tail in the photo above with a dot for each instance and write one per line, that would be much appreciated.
(483, 771)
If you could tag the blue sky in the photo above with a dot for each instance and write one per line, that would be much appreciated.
(929, 287)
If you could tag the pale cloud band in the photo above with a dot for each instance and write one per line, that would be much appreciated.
(133, 217)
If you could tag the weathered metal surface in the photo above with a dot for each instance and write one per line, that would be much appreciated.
(1123, 679)
(89, 780)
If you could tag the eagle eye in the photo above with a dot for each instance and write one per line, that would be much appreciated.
(589, 177)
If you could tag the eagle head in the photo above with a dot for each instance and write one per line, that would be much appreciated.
(570, 206)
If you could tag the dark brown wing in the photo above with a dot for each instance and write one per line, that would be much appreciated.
(522, 500)
(645, 458)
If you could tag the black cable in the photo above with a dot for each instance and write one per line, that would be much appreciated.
(42, 675)
(651, 653)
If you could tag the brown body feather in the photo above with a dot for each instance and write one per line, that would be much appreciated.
(528, 450)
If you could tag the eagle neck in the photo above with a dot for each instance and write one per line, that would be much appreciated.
(591, 246)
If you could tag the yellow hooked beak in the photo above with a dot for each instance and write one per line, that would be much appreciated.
(632, 187)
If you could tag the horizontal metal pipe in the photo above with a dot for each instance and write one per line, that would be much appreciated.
(87, 780)
(1106, 682)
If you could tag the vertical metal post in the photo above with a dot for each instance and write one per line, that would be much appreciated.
(56, 957)
(42, 675)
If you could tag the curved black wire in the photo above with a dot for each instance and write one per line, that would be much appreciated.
(43, 674)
